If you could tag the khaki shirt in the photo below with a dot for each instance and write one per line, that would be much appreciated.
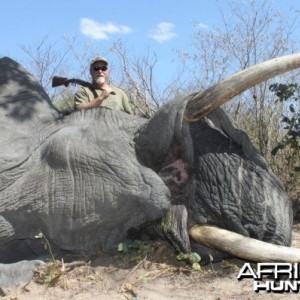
(116, 100)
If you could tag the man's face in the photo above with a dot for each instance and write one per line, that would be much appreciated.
(99, 72)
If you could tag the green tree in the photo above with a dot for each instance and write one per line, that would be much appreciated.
(288, 95)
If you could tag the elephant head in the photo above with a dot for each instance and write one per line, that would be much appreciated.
(225, 182)
(84, 180)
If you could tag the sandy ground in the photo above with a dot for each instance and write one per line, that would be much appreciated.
(148, 275)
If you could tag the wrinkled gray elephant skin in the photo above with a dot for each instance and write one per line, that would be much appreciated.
(84, 180)
(77, 179)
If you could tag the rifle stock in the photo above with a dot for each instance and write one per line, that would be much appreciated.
(59, 81)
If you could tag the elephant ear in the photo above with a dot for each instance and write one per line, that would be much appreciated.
(220, 120)
(26, 115)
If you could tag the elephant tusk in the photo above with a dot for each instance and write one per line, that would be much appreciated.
(202, 103)
(243, 247)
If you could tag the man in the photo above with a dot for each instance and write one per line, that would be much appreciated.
(102, 94)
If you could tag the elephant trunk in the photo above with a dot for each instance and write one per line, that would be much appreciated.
(202, 103)
(243, 247)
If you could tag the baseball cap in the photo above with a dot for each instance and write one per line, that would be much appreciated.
(99, 58)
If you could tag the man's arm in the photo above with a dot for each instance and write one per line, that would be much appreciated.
(82, 100)
(94, 103)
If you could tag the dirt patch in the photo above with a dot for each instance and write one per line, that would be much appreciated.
(145, 273)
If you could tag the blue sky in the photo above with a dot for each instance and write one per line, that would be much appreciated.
(162, 25)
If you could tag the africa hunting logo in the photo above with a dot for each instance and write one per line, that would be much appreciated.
(272, 277)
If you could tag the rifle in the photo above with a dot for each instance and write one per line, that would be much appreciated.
(58, 81)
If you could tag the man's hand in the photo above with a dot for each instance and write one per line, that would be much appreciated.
(105, 93)
(97, 101)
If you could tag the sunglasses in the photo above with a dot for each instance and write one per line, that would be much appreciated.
(100, 68)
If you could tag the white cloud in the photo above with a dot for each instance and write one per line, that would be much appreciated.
(98, 31)
(202, 26)
(163, 32)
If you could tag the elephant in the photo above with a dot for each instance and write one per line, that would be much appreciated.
(87, 179)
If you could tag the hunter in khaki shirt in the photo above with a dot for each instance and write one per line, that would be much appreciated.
(117, 99)
(102, 94)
